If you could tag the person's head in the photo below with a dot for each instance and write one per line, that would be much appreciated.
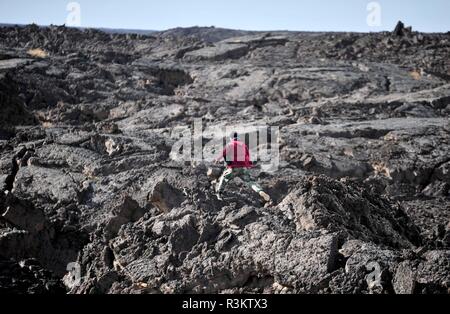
(234, 136)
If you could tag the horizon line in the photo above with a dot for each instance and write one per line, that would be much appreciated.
(124, 30)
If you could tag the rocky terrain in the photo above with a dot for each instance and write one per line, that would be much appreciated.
(88, 122)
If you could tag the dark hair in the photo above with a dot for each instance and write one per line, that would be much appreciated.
(234, 135)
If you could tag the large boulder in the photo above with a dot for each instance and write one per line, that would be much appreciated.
(127, 210)
(322, 203)
(428, 275)
(164, 196)
(48, 185)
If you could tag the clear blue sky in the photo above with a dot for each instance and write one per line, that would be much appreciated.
(308, 15)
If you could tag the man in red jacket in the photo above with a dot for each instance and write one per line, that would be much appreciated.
(237, 157)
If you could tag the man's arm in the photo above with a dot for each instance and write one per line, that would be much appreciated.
(221, 156)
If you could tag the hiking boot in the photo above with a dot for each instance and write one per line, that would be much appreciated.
(265, 197)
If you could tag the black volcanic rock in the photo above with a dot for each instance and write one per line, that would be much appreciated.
(321, 203)
(28, 277)
(400, 29)
(90, 130)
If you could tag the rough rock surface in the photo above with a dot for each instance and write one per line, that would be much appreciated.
(27, 277)
(88, 126)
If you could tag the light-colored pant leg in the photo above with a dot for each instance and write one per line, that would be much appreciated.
(224, 178)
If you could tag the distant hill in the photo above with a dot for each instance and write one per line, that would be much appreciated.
(106, 30)
(125, 31)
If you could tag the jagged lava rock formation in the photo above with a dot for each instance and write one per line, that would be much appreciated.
(87, 125)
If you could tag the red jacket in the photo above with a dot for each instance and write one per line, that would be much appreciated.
(236, 155)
